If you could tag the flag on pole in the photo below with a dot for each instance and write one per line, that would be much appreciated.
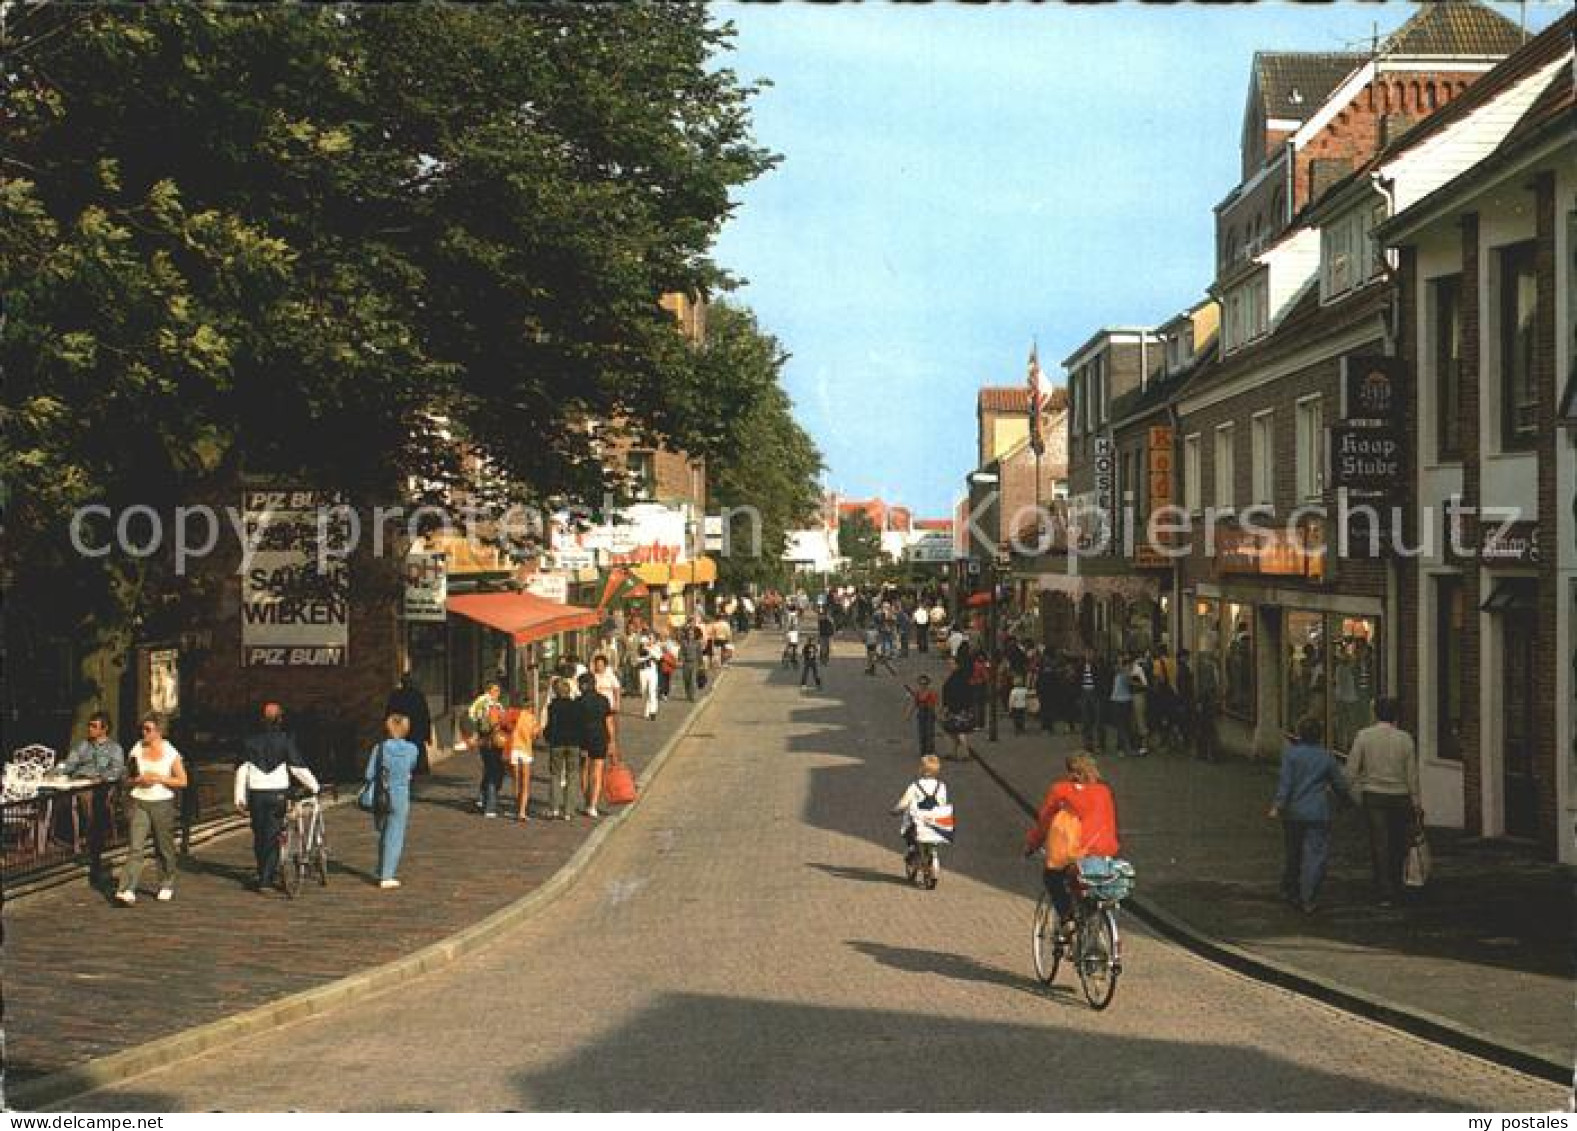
(1039, 402)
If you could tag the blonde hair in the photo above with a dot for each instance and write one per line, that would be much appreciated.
(1082, 768)
(930, 766)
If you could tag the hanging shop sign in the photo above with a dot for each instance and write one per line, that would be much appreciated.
(1372, 388)
(295, 596)
(1366, 460)
(1159, 458)
(1508, 544)
(426, 587)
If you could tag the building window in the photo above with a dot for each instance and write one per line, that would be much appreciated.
(1354, 678)
(1225, 466)
(1519, 390)
(1238, 659)
(1446, 356)
(1450, 629)
(1307, 688)
(642, 469)
(1264, 456)
(1310, 450)
(1192, 489)
(1074, 404)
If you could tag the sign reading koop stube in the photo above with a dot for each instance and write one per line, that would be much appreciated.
(1365, 460)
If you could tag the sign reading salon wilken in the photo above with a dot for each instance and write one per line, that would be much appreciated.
(295, 609)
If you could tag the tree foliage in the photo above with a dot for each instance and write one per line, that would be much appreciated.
(298, 240)
(858, 539)
(766, 467)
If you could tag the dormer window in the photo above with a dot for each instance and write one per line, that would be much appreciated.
(1349, 254)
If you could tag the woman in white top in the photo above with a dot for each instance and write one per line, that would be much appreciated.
(154, 772)
(646, 668)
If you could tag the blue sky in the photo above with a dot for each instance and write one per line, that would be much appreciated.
(958, 180)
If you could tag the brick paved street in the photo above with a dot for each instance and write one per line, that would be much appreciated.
(220, 949)
(746, 942)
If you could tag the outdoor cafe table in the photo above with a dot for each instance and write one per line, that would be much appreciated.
(56, 790)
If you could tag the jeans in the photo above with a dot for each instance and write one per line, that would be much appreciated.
(266, 807)
(826, 649)
(391, 838)
(1122, 714)
(1390, 817)
(688, 672)
(1090, 715)
(922, 639)
(1308, 849)
(563, 776)
(811, 670)
(1019, 714)
(1056, 881)
(492, 777)
(926, 722)
(155, 819)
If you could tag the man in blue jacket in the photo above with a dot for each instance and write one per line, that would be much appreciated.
(1303, 802)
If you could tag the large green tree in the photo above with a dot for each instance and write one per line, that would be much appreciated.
(764, 476)
(308, 241)
(859, 540)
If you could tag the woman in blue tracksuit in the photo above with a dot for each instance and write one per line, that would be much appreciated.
(395, 757)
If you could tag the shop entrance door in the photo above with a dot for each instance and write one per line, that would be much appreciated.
(1519, 631)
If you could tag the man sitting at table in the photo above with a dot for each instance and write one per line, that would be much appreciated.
(98, 756)
(269, 760)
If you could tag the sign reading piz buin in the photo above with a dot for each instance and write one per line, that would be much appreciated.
(1365, 460)
(295, 600)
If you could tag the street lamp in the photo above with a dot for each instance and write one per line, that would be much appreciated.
(988, 571)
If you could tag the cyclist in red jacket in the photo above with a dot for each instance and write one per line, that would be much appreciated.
(1090, 799)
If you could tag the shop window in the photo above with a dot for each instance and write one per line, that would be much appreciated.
(1446, 356)
(1306, 688)
(1204, 640)
(1355, 677)
(1450, 627)
(1519, 390)
(1237, 632)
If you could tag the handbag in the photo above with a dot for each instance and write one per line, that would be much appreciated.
(374, 796)
(618, 784)
(1064, 840)
(1415, 872)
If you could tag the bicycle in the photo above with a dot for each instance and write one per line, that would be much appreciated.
(1095, 942)
(923, 865)
(303, 844)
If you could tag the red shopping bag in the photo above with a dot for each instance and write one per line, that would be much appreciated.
(618, 784)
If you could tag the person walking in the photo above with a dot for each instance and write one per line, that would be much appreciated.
(1048, 693)
(596, 739)
(155, 772)
(1090, 702)
(409, 700)
(487, 721)
(1303, 802)
(1018, 705)
(1382, 767)
(269, 759)
(826, 629)
(810, 662)
(522, 747)
(958, 711)
(921, 620)
(646, 668)
(1139, 687)
(690, 658)
(562, 733)
(1121, 703)
(922, 707)
(392, 760)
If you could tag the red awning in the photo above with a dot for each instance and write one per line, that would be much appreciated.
(524, 616)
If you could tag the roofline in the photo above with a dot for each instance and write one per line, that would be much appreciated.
(1483, 175)
(1116, 335)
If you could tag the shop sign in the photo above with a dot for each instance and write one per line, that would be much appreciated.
(549, 586)
(1273, 552)
(1509, 544)
(1159, 462)
(573, 561)
(426, 587)
(1365, 460)
(295, 608)
(934, 546)
(1105, 473)
(1371, 388)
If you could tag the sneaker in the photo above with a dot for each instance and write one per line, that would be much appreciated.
(166, 893)
(388, 883)
(126, 897)
(592, 813)
(494, 815)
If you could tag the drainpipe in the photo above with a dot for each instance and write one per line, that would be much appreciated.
(1391, 323)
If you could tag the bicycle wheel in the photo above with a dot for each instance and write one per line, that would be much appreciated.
(1098, 962)
(931, 869)
(320, 853)
(293, 863)
(1047, 946)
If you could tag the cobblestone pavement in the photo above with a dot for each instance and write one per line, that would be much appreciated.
(72, 955)
(746, 941)
(1487, 945)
